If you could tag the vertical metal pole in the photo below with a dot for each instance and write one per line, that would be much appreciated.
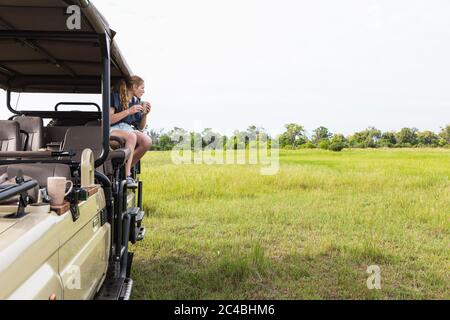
(106, 103)
(8, 102)
(140, 188)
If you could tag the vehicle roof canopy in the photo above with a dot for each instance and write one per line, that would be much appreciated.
(38, 53)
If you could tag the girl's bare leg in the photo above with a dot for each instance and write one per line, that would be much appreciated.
(143, 145)
(130, 143)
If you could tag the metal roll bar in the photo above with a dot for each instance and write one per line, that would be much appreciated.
(104, 41)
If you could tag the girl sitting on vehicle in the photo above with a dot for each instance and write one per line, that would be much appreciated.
(128, 116)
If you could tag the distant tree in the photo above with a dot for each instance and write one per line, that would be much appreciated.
(444, 136)
(179, 136)
(257, 135)
(337, 143)
(294, 136)
(154, 135)
(428, 139)
(388, 139)
(210, 138)
(165, 142)
(320, 134)
(368, 138)
(252, 132)
(196, 141)
(407, 137)
(239, 140)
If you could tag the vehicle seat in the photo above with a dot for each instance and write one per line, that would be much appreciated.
(79, 138)
(38, 171)
(9, 136)
(34, 127)
(114, 141)
(54, 137)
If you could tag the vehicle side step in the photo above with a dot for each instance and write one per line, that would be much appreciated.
(125, 294)
(137, 232)
(133, 212)
(140, 216)
(140, 234)
(115, 289)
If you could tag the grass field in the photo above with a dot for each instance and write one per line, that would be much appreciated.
(309, 232)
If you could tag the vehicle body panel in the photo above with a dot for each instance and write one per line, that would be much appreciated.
(43, 284)
(6, 224)
(39, 248)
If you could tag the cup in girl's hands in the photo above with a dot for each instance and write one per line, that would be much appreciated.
(147, 107)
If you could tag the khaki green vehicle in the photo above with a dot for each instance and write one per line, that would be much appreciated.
(78, 249)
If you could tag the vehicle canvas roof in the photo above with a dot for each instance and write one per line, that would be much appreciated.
(47, 56)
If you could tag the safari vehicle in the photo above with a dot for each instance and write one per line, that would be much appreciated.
(79, 250)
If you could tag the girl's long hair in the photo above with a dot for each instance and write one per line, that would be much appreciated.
(124, 85)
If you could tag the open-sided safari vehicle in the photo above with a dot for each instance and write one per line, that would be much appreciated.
(78, 250)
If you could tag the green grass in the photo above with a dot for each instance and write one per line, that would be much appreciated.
(309, 232)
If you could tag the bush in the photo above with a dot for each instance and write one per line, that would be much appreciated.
(336, 146)
(324, 144)
(308, 145)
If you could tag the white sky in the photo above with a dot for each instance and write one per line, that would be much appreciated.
(345, 64)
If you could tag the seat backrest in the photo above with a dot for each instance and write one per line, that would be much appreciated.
(79, 138)
(55, 135)
(10, 136)
(34, 127)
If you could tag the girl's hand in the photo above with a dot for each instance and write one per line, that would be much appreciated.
(147, 107)
(135, 109)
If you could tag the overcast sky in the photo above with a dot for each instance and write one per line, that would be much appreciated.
(345, 64)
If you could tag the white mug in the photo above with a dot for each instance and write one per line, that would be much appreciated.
(56, 187)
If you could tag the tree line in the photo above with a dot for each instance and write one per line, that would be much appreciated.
(296, 137)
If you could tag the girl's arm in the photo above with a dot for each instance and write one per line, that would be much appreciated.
(143, 122)
(116, 117)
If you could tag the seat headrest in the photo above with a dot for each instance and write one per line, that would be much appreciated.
(34, 127)
(30, 124)
(9, 136)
